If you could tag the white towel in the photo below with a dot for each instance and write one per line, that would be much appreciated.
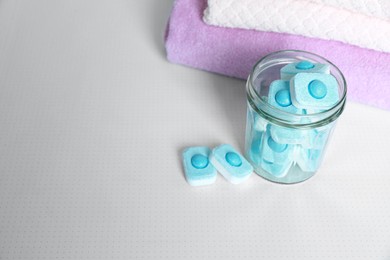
(376, 8)
(364, 23)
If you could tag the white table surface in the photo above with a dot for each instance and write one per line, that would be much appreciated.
(93, 122)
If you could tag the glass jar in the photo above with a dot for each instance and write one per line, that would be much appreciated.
(285, 146)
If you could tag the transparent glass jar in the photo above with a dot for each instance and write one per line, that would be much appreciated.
(282, 146)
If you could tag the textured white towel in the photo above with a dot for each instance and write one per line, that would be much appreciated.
(376, 8)
(364, 23)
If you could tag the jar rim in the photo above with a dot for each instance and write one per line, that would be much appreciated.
(281, 117)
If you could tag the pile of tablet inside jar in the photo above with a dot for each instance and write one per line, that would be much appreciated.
(304, 88)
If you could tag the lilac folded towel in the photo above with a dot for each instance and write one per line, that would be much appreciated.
(233, 52)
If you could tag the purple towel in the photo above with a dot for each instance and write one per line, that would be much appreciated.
(233, 52)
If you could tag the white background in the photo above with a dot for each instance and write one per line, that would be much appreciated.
(93, 120)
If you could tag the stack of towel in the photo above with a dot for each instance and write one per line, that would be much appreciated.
(228, 37)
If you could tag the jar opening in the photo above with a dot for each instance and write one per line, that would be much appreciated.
(267, 69)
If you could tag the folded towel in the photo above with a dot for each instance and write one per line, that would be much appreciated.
(324, 19)
(377, 8)
(233, 52)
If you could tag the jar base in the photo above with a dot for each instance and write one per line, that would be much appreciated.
(295, 175)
